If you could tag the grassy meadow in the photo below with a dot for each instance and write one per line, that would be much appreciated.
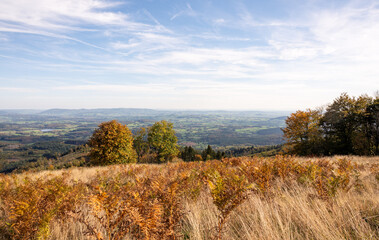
(236, 198)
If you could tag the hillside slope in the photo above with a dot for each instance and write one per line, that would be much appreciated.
(237, 198)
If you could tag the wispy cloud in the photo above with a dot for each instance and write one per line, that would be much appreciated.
(188, 11)
(147, 88)
(147, 42)
(3, 38)
(58, 19)
(59, 15)
(317, 51)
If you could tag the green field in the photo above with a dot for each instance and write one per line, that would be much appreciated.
(21, 135)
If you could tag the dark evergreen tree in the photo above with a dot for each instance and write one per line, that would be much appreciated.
(188, 154)
(208, 153)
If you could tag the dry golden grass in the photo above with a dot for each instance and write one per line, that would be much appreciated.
(238, 198)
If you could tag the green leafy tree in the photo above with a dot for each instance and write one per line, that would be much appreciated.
(345, 125)
(112, 143)
(372, 114)
(362, 138)
(337, 125)
(140, 143)
(162, 140)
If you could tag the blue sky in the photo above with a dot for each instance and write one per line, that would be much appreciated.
(236, 55)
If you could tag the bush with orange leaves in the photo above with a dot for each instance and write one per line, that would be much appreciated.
(146, 201)
(31, 204)
(228, 190)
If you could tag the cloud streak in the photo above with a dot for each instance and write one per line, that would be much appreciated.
(59, 15)
(188, 11)
(318, 50)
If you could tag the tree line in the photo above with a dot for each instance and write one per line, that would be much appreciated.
(114, 143)
(189, 154)
(349, 125)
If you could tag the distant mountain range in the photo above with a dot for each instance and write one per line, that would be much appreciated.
(19, 111)
(98, 112)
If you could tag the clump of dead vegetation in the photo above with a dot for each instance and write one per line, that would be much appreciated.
(236, 198)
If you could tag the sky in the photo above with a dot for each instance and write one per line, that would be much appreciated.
(195, 54)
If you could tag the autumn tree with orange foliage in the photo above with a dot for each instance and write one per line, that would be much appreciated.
(112, 143)
(303, 133)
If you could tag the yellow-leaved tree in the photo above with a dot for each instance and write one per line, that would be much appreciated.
(303, 134)
(112, 143)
